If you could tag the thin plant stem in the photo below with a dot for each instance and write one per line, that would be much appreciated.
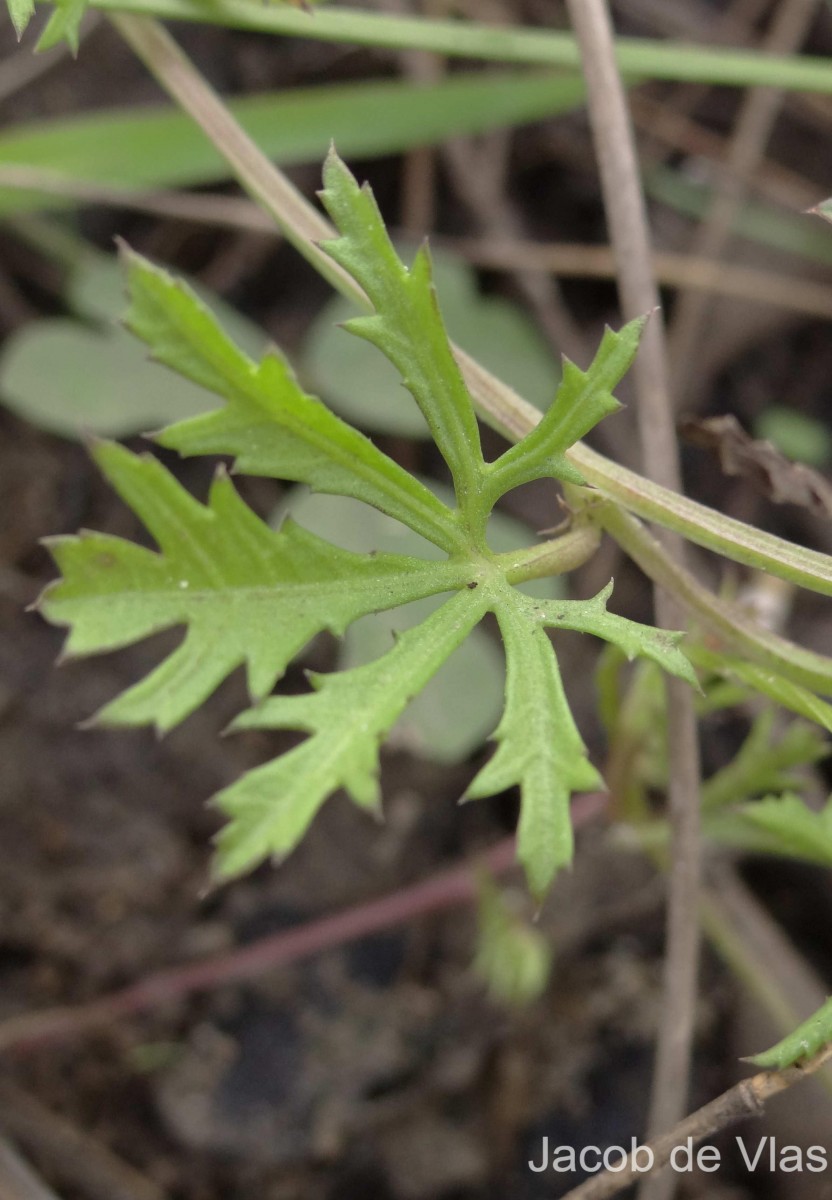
(304, 226)
(746, 1099)
(731, 624)
(443, 890)
(753, 129)
(584, 260)
(627, 221)
(74, 1158)
(17, 1179)
(637, 57)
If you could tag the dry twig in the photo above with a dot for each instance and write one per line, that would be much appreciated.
(17, 1179)
(582, 260)
(627, 220)
(753, 129)
(745, 1099)
(72, 1156)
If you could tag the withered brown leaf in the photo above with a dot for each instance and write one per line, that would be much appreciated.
(761, 463)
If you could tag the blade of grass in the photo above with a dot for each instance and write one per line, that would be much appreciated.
(162, 148)
(789, 232)
(583, 260)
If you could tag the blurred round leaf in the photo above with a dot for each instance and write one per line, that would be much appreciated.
(513, 959)
(799, 437)
(82, 376)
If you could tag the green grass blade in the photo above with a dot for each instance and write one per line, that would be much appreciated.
(161, 147)
(791, 232)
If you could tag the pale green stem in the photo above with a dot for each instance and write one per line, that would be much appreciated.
(732, 624)
(705, 526)
(556, 557)
(637, 57)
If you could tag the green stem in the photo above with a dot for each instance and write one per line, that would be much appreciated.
(555, 557)
(640, 57)
(729, 623)
(704, 526)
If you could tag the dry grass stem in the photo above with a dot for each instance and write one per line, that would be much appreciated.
(753, 128)
(627, 220)
(745, 1099)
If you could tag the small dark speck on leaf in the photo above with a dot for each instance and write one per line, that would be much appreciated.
(472, 584)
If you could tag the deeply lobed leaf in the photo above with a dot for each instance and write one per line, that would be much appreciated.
(269, 424)
(539, 749)
(634, 639)
(347, 715)
(21, 13)
(406, 326)
(583, 399)
(64, 25)
(249, 596)
(252, 597)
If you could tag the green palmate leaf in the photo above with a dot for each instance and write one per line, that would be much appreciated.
(347, 715)
(249, 596)
(539, 748)
(804, 1042)
(269, 424)
(462, 704)
(407, 326)
(582, 400)
(252, 597)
